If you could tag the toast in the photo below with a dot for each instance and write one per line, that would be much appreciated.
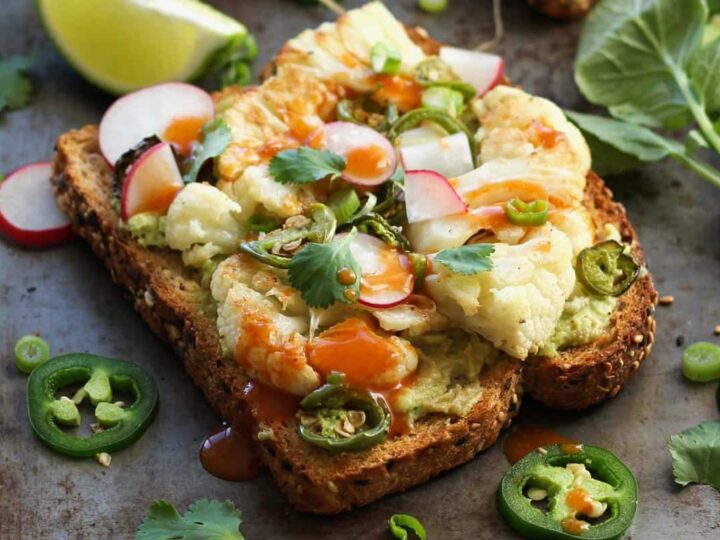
(170, 299)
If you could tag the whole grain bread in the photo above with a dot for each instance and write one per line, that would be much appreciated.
(172, 302)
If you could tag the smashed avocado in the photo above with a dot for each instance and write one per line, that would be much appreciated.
(148, 229)
(584, 319)
(448, 380)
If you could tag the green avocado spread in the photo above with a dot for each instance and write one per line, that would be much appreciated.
(448, 379)
(148, 229)
(584, 319)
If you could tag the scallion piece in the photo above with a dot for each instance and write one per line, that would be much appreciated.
(400, 522)
(446, 99)
(385, 59)
(433, 6)
(344, 204)
(30, 352)
(701, 362)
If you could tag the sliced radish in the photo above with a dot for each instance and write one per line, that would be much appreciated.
(151, 111)
(429, 195)
(387, 277)
(483, 70)
(370, 157)
(450, 156)
(29, 214)
(152, 183)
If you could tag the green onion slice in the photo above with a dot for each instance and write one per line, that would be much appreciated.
(433, 6)
(262, 223)
(400, 522)
(701, 362)
(344, 204)
(385, 59)
(443, 98)
(30, 352)
(532, 214)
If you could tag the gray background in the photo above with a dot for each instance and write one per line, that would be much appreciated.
(67, 295)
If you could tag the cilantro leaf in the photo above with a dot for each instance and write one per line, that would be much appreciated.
(696, 455)
(467, 260)
(305, 165)
(14, 85)
(204, 520)
(313, 272)
(216, 138)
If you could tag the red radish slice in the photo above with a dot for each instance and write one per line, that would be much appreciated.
(29, 214)
(151, 111)
(429, 195)
(387, 277)
(482, 70)
(152, 183)
(450, 156)
(370, 157)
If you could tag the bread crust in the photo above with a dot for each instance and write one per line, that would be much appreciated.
(583, 376)
(171, 301)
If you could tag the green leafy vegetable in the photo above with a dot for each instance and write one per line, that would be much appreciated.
(619, 146)
(705, 73)
(232, 60)
(467, 260)
(696, 455)
(305, 165)
(216, 138)
(633, 58)
(314, 272)
(400, 522)
(204, 520)
(14, 85)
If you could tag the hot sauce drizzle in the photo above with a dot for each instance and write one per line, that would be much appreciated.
(184, 131)
(524, 439)
(229, 453)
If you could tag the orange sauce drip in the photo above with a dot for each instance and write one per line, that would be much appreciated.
(394, 274)
(269, 404)
(317, 140)
(544, 136)
(580, 501)
(571, 448)
(353, 348)
(184, 131)
(346, 276)
(491, 217)
(367, 162)
(268, 149)
(574, 526)
(524, 439)
(400, 423)
(230, 454)
(405, 93)
(158, 198)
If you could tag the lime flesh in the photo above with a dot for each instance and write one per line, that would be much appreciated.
(123, 45)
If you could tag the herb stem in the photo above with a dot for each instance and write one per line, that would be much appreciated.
(698, 112)
(710, 173)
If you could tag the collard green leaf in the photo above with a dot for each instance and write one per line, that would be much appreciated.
(305, 165)
(633, 56)
(314, 270)
(216, 138)
(14, 85)
(696, 455)
(619, 146)
(204, 520)
(705, 73)
(467, 260)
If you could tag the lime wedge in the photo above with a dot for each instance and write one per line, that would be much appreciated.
(123, 45)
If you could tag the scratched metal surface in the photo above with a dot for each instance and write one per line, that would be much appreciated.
(66, 294)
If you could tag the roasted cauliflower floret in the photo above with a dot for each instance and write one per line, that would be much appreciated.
(257, 188)
(518, 126)
(269, 346)
(203, 218)
(517, 304)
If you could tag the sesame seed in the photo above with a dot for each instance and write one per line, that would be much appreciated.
(717, 330)
(666, 300)
(638, 338)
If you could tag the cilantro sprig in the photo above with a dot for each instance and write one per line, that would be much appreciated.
(305, 165)
(467, 260)
(696, 455)
(14, 84)
(216, 138)
(314, 272)
(204, 519)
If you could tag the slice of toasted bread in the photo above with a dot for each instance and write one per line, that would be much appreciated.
(170, 300)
